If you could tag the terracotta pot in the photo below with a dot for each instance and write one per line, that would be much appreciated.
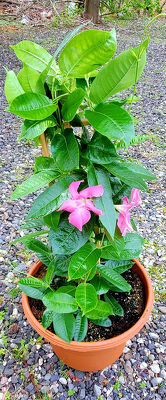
(92, 356)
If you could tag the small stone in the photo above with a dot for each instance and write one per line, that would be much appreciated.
(121, 379)
(82, 394)
(97, 390)
(156, 381)
(30, 388)
(153, 335)
(15, 312)
(14, 328)
(54, 387)
(14, 379)
(8, 372)
(4, 380)
(126, 350)
(63, 381)
(155, 368)
(143, 365)
(40, 361)
(162, 309)
(127, 367)
(44, 389)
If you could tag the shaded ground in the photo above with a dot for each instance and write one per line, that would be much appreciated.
(29, 370)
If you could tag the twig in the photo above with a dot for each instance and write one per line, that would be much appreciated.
(45, 151)
(32, 378)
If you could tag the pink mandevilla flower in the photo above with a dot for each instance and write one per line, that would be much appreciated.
(124, 223)
(80, 204)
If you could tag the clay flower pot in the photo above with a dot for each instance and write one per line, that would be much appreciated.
(92, 356)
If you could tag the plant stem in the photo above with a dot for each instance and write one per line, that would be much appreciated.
(44, 143)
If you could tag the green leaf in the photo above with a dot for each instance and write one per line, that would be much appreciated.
(72, 104)
(26, 238)
(50, 273)
(60, 302)
(112, 121)
(98, 176)
(47, 318)
(64, 326)
(91, 273)
(117, 308)
(106, 322)
(119, 74)
(81, 327)
(87, 51)
(100, 150)
(37, 223)
(35, 293)
(131, 174)
(12, 87)
(28, 78)
(86, 297)
(34, 55)
(44, 258)
(32, 282)
(52, 220)
(35, 182)
(32, 106)
(101, 311)
(113, 277)
(83, 261)
(32, 129)
(63, 148)
(100, 285)
(68, 239)
(68, 289)
(119, 266)
(53, 197)
(37, 246)
(61, 264)
(43, 163)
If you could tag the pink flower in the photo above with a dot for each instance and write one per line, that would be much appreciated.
(80, 204)
(124, 223)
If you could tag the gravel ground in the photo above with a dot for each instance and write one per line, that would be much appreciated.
(29, 369)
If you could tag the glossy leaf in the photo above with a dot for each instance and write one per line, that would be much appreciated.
(33, 282)
(60, 302)
(119, 74)
(12, 87)
(37, 246)
(117, 308)
(72, 104)
(102, 310)
(68, 239)
(83, 261)
(112, 121)
(28, 237)
(81, 327)
(61, 264)
(113, 277)
(52, 220)
(32, 129)
(35, 182)
(35, 293)
(64, 326)
(33, 55)
(86, 52)
(131, 174)
(68, 289)
(28, 78)
(106, 322)
(119, 266)
(53, 197)
(100, 285)
(44, 258)
(43, 163)
(37, 223)
(100, 150)
(50, 273)
(63, 148)
(91, 273)
(98, 176)
(47, 318)
(86, 297)
(32, 106)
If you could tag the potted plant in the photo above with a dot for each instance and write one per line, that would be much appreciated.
(89, 240)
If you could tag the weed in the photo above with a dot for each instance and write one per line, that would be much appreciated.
(21, 352)
(14, 292)
(142, 384)
(7, 396)
(4, 338)
(116, 385)
(70, 392)
(2, 314)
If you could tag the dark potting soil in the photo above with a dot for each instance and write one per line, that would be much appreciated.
(133, 304)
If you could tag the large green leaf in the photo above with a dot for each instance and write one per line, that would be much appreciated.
(87, 51)
(35, 182)
(65, 151)
(119, 266)
(47, 318)
(37, 246)
(100, 150)
(81, 327)
(83, 261)
(119, 74)
(72, 103)
(12, 87)
(60, 302)
(32, 282)
(68, 289)
(32, 129)
(64, 326)
(102, 310)
(131, 174)
(34, 55)
(117, 308)
(106, 322)
(28, 237)
(60, 264)
(100, 285)
(124, 248)
(112, 121)
(113, 277)
(32, 106)
(98, 176)
(43, 163)
(36, 223)
(33, 287)
(68, 239)
(28, 78)
(53, 197)
(52, 220)
(86, 297)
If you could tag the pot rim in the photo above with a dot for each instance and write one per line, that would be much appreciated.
(90, 346)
